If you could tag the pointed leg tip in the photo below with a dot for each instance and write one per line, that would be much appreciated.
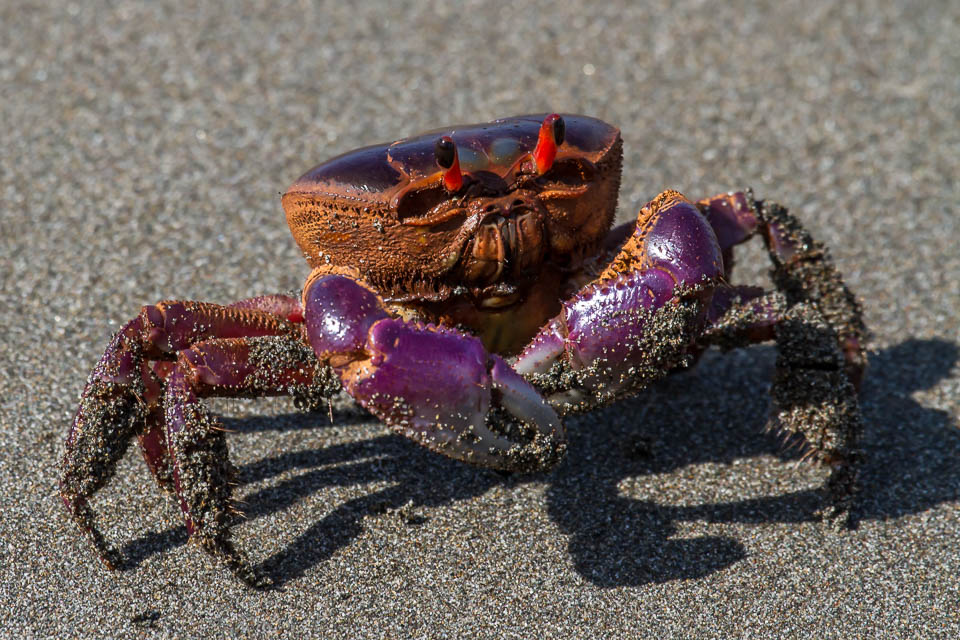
(838, 504)
(223, 549)
(83, 516)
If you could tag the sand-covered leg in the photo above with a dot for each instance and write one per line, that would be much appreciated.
(813, 396)
(121, 398)
(111, 412)
(153, 438)
(822, 355)
(804, 272)
(202, 472)
(203, 475)
(740, 316)
(818, 327)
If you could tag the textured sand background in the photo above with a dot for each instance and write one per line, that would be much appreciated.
(142, 149)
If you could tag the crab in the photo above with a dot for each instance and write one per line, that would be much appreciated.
(469, 290)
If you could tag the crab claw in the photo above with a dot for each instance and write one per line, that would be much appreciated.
(435, 385)
(635, 321)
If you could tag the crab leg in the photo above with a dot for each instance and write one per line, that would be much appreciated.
(821, 343)
(813, 394)
(817, 324)
(277, 304)
(734, 221)
(202, 473)
(434, 385)
(802, 271)
(121, 397)
(637, 320)
(153, 438)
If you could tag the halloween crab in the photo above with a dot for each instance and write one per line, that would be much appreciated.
(467, 289)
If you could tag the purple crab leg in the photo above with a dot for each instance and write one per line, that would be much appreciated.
(121, 397)
(637, 320)
(435, 385)
(733, 219)
(277, 304)
(757, 313)
(153, 439)
(202, 472)
(802, 270)
(818, 327)
(110, 412)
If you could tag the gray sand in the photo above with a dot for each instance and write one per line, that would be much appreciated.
(143, 148)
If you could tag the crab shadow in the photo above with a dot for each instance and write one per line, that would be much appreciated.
(409, 472)
(714, 415)
(717, 414)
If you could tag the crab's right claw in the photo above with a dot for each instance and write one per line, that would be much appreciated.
(435, 385)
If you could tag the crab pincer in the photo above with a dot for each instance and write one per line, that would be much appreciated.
(433, 384)
(637, 319)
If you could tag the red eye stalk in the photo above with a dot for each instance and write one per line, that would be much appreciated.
(448, 159)
(551, 136)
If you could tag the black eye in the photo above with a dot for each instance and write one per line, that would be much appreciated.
(445, 151)
(559, 131)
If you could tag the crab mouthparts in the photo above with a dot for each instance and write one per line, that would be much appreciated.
(508, 243)
(499, 295)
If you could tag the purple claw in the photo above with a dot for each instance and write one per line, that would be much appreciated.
(435, 385)
(618, 332)
(544, 349)
(423, 378)
(726, 297)
(521, 399)
(608, 320)
(601, 332)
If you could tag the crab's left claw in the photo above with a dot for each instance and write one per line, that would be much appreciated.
(637, 320)
(435, 385)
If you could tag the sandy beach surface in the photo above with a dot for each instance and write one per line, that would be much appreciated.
(142, 150)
